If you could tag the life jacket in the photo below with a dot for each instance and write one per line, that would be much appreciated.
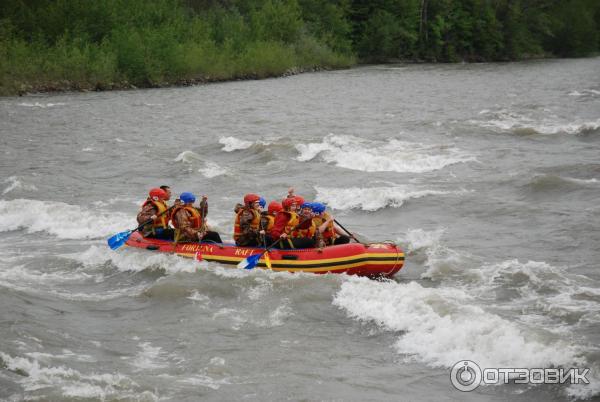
(291, 223)
(237, 230)
(270, 222)
(307, 232)
(195, 218)
(329, 234)
(162, 217)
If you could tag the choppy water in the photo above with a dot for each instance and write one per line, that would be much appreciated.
(488, 175)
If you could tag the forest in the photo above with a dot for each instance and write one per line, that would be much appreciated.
(50, 45)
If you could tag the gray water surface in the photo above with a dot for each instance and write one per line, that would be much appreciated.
(487, 175)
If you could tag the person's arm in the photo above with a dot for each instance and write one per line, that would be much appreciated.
(148, 212)
(324, 225)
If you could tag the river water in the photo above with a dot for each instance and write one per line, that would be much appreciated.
(487, 175)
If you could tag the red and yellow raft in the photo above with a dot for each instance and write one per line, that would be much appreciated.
(372, 260)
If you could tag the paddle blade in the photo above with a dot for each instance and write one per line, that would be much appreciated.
(116, 241)
(199, 256)
(249, 262)
(268, 260)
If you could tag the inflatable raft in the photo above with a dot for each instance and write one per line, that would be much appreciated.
(372, 260)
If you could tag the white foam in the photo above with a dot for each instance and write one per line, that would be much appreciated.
(70, 381)
(440, 326)
(188, 157)
(149, 357)
(137, 260)
(582, 181)
(372, 198)
(205, 381)
(545, 289)
(212, 170)
(231, 144)
(87, 149)
(62, 220)
(585, 92)
(41, 105)
(419, 239)
(374, 156)
(14, 183)
(510, 121)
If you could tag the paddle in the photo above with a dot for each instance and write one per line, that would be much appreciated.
(346, 230)
(116, 241)
(252, 261)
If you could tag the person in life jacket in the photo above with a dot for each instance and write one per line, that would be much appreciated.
(330, 233)
(190, 222)
(286, 223)
(155, 208)
(246, 227)
(267, 218)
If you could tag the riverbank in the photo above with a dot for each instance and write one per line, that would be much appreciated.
(77, 45)
(24, 89)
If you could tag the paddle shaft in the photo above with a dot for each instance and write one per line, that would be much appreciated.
(346, 230)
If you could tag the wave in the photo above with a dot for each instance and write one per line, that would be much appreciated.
(231, 144)
(211, 170)
(540, 289)
(372, 198)
(372, 156)
(14, 184)
(441, 326)
(523, 125)
(41, 105)
(136, 261)
(585, 93)
(45, 381)
(60, 219)
(188, 157)
(549, 182)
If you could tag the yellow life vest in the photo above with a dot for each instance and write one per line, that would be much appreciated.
(308, 232)
(162, 217)
(291, 223)
(237, 230)
(329, 234)
(270, 222)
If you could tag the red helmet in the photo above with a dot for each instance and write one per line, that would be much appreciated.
(287, 202)
(157, 194)
(299, 200)
(250, 198)
(274, 206)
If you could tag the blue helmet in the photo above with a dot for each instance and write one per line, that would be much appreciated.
(187, 197)
(307, 205)
(262, 202)
(318, 208)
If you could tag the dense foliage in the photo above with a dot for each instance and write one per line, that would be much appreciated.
(59, 44)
